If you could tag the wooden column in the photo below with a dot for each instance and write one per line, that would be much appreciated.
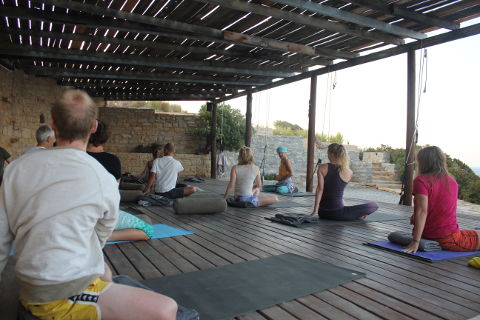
(248, 122)
(410, 144)
(213, 142)
(311, 133)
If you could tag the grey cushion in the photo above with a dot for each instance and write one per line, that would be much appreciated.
(404, 239)
(131, 186)
(199, 205)
(130, 195)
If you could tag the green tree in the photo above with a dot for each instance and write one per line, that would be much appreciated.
(230, 126)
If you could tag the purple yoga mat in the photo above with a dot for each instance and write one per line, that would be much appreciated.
(426, 256)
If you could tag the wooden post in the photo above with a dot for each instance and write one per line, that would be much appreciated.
(311, 133)
(410, 147)
(213, 142)
(248, 122)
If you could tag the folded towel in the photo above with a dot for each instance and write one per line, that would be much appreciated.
(153, 200)
(404, 239)
(293, 219)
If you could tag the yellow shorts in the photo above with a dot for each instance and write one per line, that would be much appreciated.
(83, 306)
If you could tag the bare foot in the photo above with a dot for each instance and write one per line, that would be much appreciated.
(362, 217)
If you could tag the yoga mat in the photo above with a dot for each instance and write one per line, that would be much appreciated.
(162, 231)
(374, 217)
(279, 204)
(431, 256)
(236, 289)
(302, 194)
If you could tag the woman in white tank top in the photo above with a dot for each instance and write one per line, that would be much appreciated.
(245, 180)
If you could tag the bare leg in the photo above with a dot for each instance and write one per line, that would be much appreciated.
(265, 200)
(128, 234)
(255, 191)
(124, 302)
(188, 191)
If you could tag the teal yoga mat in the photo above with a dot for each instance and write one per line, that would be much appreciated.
(162, 231)
(232, 290)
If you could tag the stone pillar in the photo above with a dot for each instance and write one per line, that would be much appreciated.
(213, 141)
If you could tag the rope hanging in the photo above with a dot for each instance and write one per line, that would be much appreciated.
(422, 82)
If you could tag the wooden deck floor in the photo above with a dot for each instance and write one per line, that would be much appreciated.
(395, 287)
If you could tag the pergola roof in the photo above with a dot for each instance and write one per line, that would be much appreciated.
(212, 49)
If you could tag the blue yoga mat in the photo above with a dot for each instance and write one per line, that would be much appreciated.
(162, 231)
(159, 231)
(431, 256)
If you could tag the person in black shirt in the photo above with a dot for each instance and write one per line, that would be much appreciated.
(95, 149)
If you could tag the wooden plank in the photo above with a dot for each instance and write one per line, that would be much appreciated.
(120, 263)
(306, 20)
(143, 266)
(354, 18)
(346, 306)
(300, 311)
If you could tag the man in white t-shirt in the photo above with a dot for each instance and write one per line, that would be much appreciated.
(45, 139)
(60, 206)
(164, 175)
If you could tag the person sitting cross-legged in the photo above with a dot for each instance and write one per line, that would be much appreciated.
(164, 174)
(245, 178)
(60, 206)
(333, 177)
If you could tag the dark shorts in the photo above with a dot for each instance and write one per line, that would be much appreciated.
(175, 193)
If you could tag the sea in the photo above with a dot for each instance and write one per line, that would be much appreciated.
(476, 170)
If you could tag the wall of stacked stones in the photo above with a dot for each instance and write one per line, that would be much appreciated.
(23, 101)
(195, 165)
(133, 127)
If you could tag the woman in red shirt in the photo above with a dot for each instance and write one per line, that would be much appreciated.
(435, 206)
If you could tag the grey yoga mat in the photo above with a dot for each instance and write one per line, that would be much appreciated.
(374, 217)
(233, 290)
(279, 204)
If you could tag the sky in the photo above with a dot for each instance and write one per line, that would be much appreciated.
(368, 104)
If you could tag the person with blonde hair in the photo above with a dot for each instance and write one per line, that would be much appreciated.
(435, 206)
(333, 177)
(245, 179)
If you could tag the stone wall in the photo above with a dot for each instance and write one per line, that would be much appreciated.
(195, 165)
(376, 157)
(297, 153)
(133, 127)
(23, 101)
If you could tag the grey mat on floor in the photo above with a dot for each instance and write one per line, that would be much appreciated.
(288, 204)
(236, 289)
(302, 194)
(374, 217)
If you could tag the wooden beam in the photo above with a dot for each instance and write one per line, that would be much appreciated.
(213, 142)
(411, 132)
(38, 53)
(248, 121)
(431, 41)
(214, 34)
(315, 22)
(311, 133)
(173, 97)
(401, 12)
(353, 18)
(261, 56)
(75, 73)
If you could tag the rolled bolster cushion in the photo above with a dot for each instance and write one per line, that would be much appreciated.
(130, 195)
(199, 205)
(131, 186)
(404, 239)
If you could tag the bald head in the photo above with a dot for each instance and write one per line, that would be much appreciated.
(74, 116)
